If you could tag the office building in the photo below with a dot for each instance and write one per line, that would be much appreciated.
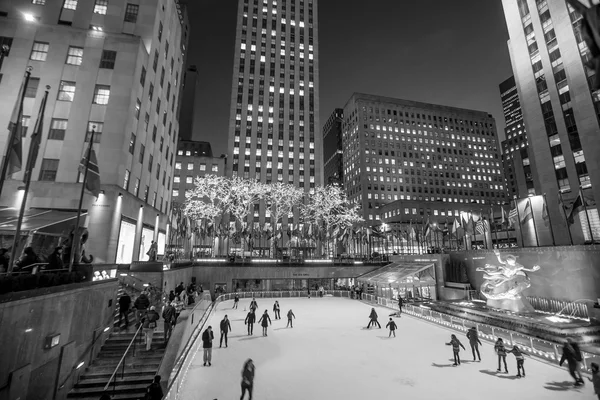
(188, 103)
(113, 65)
(275, 95)
(561, 118)
(396, 150)
(332, 149)
(515, 153)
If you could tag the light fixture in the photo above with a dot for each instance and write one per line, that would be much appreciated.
(146, 285)
(106, 329)
(21, 188)
(102, 192)
(142, 206)
(120, 194)
(123, 275)
(28, 330)
(29, 17)
(80, 365)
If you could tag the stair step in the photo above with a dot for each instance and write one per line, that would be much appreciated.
(140, 362)
(127, 380)
(139, 354)
(109, 369)
(99, 373)
(98, 391)
(125, 396)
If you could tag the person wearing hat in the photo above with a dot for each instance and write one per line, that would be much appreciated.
(149, 326)
(207, 339)
(55, 259)
(248, 378)
(474, 341)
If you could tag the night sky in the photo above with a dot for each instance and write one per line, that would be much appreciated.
(444, 52)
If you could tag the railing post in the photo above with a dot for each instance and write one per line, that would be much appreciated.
(493, 333)
(512, 343)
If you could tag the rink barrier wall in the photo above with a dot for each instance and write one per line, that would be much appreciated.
(538, 348)
(185, 360)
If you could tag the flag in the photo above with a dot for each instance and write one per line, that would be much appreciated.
(470, 225)
(427, 230)
(15, 127)
(504, 216)
(577, 206)
(36, 138)
(527, 213)
(513, 216)
(92, 179)
(479, 227)
(545, 215)
(455, 226)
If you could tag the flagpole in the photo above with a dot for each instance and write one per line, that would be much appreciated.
(519, 221)
(562, 205)
(537, 241)
(75, 240)
(549, 220)
(31, 159)
(13, 133)
(587, 217)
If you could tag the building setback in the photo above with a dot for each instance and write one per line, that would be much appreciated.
(397, 150)
(113, 65)
(561, 118)
(275, 95)
(332, 149)
(515, 155)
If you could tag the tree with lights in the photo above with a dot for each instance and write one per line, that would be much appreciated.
(280, 199)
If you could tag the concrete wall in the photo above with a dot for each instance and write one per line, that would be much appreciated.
(567, 273)
(78, 315)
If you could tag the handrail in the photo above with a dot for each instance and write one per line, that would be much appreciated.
(33, 270)
(123, 358)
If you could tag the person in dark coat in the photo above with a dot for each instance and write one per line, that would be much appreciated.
(27, 259)
(373, 319)
(456, 345)
(169, 320)
(290, 315)
(207, 339)
(474, 341)
(4, 261)
(225, 328)
(55, 259)
(236, 301)
(572, 354)
(400, 304)
(124, 305)
(265, 321)
(253, 305)
(519, 355)
(248, 378)
(141, 306)
(276, 310)
(392, 325)
(171, 296)
(250, 320)
(180, 288)
(501, 351)
(154, 391)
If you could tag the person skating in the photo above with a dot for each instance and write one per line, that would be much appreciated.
(253, 305)
(456, 345)
(519, 355)
(276, 310)
(595, 379)
(501, 351)
(400, 304)
(250, 320)
(290, 315)
(207, 339)
(392, 325)
(265, 321)
(236, 300)
(373, 319)
(248, 378)
(572, 354)
(474, 341)
(225, 327)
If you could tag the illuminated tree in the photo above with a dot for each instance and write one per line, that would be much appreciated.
(243, 195)
(280, 200)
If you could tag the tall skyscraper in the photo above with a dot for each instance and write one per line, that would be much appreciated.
(515, 152)
(561, 118)
(397, 150)
(114, 66)
(332, 149)
(188, 103)
(275, 94)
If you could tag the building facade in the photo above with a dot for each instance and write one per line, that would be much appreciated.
(115, 67)
(515, 152)
(275, 95)
(188, 103)
(561, 118)
(397, 150)
(333, 167)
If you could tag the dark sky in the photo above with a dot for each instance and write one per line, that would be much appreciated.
(444, 52)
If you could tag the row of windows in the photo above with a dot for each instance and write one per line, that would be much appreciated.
(39, 52)
(100, 7)
(190, 167)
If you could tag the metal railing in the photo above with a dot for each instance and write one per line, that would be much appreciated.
(121, 363)
(543, 349)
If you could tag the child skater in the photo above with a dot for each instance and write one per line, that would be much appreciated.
(520, 360)
(392, 325)
(456, 345)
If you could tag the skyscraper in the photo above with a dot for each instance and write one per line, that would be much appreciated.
(188, 103)
(115, 67)
(561, 118)
(332, 149)
(515, 155)
(275, 94)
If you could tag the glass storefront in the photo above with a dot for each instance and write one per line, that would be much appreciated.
(125, 244)
(162, 240)
(145, 243)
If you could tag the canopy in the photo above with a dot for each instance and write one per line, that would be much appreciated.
(39, 221)
(398, 272)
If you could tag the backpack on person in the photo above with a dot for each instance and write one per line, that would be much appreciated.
(153, 392)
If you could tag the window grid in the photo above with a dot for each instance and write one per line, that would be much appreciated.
(101, 6)
(131, 13)
(108, 59)
(58, 128)
(75, 55)
(101, 94)
(70, 4)
(39, 52)
(98, 131)
(32, 87)
(48, 169)
(66, 91)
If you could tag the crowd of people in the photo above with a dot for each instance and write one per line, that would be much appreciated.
(29, 258)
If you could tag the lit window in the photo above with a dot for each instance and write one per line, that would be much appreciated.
(202, 167)
(75, 55)
(190, 166)
(66, 91)
(39, 52)
(70, 4)
(57, 129)
(175, 193)
(101, 94)
(177, 165)
(126, 180)
(101, 6)
(215, 168)
(39, 2)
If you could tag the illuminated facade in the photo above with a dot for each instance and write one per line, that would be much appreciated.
(333, 166)
(275, 95)
(113, 65)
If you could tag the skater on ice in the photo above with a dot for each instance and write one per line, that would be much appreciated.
(572, 354)
(595, 379)
(290, 315)
(519, 355)
(225, 326)
(253, 305)
(265, 321)
(276, 310)
(501, 351)
(207, 338)
(248, 378)
(474, 341)
(456, 345)
(373, 319)
(236, 300)
(250, 320)
(392, 325)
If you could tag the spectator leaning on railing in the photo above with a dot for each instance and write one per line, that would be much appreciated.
(4, 261)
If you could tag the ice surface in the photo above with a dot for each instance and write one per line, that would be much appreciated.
(330, 355)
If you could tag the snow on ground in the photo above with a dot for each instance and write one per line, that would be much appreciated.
(330, 355)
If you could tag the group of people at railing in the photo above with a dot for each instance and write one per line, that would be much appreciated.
(29, 259)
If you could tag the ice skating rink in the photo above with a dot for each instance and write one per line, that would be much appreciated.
(329, 355)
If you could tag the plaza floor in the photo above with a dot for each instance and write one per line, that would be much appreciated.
(330, 355)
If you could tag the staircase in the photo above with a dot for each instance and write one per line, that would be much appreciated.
(140, 366)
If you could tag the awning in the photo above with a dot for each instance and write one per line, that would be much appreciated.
(40, 221)
(397, 272)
